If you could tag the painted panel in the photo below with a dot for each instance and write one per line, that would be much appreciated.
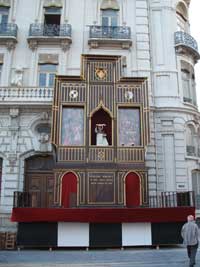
(129, 126)
(72, 126)
(73, 234)
(136, 234)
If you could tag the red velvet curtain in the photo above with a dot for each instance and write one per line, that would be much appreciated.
(69, 190)
(132, 190)
(101, 117)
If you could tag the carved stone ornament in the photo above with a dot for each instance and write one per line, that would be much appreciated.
(45, 115)
(17, 80)
(56, 3)
(14, 112)
(33, 44)
(44, 138)
(65, 44)
(5, 3)
(48, 58)
(110, 4)
(10, 44)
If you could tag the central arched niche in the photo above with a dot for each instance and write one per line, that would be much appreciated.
(101, 117)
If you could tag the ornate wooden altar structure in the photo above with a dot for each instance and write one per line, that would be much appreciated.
(106, 175)
(100, 129)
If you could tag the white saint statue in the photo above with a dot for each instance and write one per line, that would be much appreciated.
(101, 139)
(18, 77)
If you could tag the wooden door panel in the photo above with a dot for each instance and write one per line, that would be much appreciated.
(41, 187)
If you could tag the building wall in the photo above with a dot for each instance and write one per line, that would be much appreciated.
(152, 55)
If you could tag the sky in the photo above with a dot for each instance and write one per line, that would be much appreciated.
(195, 32)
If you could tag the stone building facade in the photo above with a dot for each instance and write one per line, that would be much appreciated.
(41, 38)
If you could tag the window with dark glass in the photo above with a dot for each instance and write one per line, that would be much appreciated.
(47, 74)
(196, 187)
(72, 131)
(1, 66)
(129, 133)
(52, 17)
(182, 17)
(189, 86)
(109, 18)
(4, 11)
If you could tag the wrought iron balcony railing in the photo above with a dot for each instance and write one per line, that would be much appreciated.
(105, 32)
(50, 30)
(172, 200)
(8, 29)
(186, 40)
(163, 200)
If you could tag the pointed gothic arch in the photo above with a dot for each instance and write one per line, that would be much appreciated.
(101, 116)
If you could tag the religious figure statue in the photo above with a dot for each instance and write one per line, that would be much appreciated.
(17, 79)
(101, 139)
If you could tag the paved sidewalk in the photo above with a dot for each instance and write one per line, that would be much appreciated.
(173, 257)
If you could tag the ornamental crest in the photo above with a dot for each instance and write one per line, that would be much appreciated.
(101, 73)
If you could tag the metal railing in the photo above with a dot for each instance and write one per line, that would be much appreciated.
(8, 29)
(172, 200)
(50, 30)
(183, 38)
(25, 93)
(26, 200)
(106, 32)
(163, 200)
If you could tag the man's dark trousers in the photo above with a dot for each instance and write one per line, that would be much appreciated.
(192, 251)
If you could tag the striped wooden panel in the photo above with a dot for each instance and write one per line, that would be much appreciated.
(120, 181)
(130, 154)
(67, 90)
(71, 154)
(123, 90)
(82, 183)
(101, 92)
(101, 154)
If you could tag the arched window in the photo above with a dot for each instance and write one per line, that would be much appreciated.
(182, 17)
(190, 141)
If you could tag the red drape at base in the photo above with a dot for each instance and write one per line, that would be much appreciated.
(101, 215)
(132, 190)
(69, 190)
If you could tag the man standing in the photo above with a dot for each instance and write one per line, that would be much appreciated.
(190, 235)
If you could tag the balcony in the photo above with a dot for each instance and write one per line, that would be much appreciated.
(104, 36)
(163, 200)
(50, 34)
(25, 95)
(8, 35)
(185, 43)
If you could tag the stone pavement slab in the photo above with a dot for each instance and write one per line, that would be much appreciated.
(173, 257)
